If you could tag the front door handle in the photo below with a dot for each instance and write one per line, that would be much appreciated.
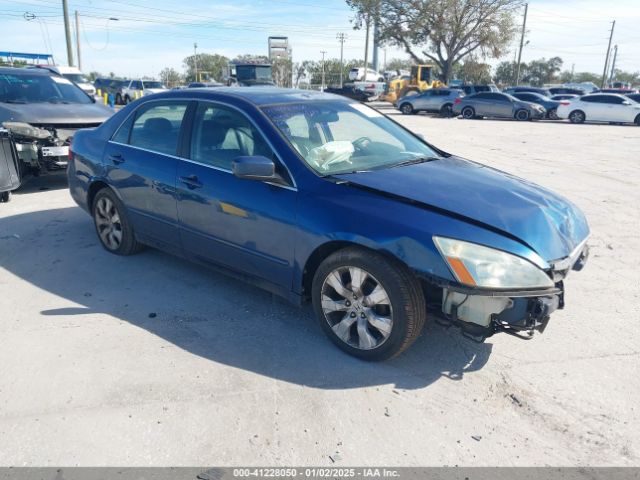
(116, 158)
(191, 181)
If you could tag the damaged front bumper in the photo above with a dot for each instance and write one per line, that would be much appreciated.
(40, 150)
(481, 313)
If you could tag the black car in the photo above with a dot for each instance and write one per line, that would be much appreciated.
(565, 96)
(621, 91)
(541, 91)
(567, 91)
(40, 112)
(476, 88)
(551, 106)
(352, 92)
(634, 96)
(111, 86)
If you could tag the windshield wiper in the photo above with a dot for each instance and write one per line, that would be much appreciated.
(413, 161)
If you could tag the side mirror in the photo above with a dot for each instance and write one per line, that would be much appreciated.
(255, 168)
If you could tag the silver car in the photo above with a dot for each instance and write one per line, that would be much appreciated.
(438, 100)
(500, 105)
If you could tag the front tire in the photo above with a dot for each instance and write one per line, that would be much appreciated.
(522, 115)
(370, 306)
(637, 121)
(468, 113)
(112, 224)
(406, 109)
(577, 116)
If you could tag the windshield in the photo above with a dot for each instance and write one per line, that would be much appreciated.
(76, 77)
(29, 88)
(253, 72)
(337, 137)
(147, 84)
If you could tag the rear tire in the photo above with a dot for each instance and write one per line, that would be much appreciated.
(406, 109)
(553, 114)
(522, 115)
(388, 297)
(5, 197)
(468, 113)
(637, 121)
(446, 111)
(577, 116)
(112, 224)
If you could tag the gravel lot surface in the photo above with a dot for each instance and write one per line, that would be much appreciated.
(149, 360)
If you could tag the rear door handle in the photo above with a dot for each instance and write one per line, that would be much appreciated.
(191, 181)
(116, 158)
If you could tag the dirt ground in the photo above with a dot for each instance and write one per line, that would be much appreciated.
(149, 360)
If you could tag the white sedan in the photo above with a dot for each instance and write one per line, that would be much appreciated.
(600, 107)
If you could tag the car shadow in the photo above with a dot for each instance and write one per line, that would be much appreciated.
(53, 181)
(206, 313)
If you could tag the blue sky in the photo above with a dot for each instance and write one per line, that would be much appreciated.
(151, 35)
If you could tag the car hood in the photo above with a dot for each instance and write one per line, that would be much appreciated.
(54, 113)
(549, 224)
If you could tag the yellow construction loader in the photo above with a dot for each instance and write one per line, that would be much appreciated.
(421, 79)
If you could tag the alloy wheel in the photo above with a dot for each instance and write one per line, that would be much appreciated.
(357, 307)
(468, 113)
(108, 223)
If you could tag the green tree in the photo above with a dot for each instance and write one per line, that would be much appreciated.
(505, 73)
(91, 76)
(443, 32)
(539, 72)
(210, 66)
(473, 71)
(249, 57)
(170, 77)
(398, 64)
(282, 72)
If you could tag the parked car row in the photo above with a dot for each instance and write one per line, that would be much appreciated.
(526, 103)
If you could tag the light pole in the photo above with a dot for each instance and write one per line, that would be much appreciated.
(322, 86)
(341, 37)
(195, 60)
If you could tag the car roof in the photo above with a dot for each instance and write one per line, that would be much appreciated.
(30, 71)
(259, 95)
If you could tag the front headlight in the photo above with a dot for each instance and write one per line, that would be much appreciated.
(486, 267)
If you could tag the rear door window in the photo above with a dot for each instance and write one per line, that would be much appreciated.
(157, 127)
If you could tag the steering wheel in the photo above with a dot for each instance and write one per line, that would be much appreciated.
(361, 144)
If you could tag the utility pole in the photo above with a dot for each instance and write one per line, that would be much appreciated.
(78, 39)
(613, 65)
(606, 60)
(375, 47)
(67, 33)
(366, 50)
(322, 86)
(341, 37)
(573, 69)
(195, 60)
(524, 28)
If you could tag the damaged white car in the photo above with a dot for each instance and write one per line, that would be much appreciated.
(39, 114)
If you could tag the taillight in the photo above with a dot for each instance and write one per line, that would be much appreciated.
(565, 103)
(457, 101)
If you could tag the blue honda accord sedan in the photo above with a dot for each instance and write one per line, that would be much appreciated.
(319, 198)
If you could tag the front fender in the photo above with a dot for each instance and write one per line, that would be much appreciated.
(340, 213)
